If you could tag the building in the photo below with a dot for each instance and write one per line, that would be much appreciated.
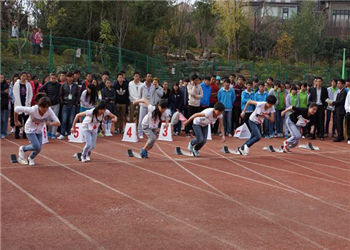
(338, 16)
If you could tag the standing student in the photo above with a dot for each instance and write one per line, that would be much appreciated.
(38, 116)
(122, 98)
(93, 120)
(299, 118)
(52, 90)
(281, 105)
(205, 100)
(201, 121)
(332, 95)
(303, 101)
(247, 95)
(319, 94)
(5, 98)
(292, 99)
(69, 98)
(195, 94)
(260, 96)
(109, 96)
(23, 94)
(339, 105)
(227, 97)
(263, 110)
(214, 85)
(238, 88)
(347, 110)
(151, 121)
(146, 92)
(176, 104)
(134, 94)
(274, 91)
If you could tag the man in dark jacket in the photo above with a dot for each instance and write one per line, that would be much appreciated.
(122, 96)
(52, 90)
(69, 98)
(339, 105)
(238, 88)
(319, 94)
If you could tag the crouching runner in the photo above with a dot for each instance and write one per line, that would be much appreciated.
(262, 110)
(299, 118)
(200, 126)
(93, 119)
(151, 121)
(38, 116)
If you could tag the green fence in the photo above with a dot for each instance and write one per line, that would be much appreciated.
(64, 54)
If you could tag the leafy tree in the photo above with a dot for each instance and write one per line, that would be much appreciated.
(283, 48)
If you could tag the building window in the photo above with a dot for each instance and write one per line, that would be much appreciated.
(285, 13)
(341, 18)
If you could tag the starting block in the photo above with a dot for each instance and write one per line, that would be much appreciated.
(226, 150)
(272, 149)
(179, 151)
(309, 146)
(131, 153)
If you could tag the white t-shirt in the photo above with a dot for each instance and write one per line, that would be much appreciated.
(207, 119)
(259, 113)
(35, 121)
(148, 121)
(91, 123)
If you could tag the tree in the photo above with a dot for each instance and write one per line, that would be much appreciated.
(232, 19)
(283, 48)
(307, 28)
(204, 20)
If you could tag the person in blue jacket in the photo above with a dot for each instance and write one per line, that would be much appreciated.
(247, 95)
(260, 96)
(205, 100)
(227, 96)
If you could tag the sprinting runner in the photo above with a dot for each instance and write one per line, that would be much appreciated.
(299, 118)
(150, 123)
(38, 116)
(200, 126)
(93, 119)
(263, 110)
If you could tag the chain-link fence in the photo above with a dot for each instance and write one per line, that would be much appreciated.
(65, 53)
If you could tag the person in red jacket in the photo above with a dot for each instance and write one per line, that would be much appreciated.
(36, 85)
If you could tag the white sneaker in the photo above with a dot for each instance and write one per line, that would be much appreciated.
(83, 160)
(349, 142)
(229, 135)
(245, 150)
(31, 161)
(21, 153)
(61, 137)
(88, 158)
(141, 137)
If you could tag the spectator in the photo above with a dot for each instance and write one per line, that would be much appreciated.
(15, 77)
(255, 85)
(5, 97)
(281, 105)
(36, 85)
(146, 92)
(239, 88)
(62, 78)
(227, 97)
(23, 94)
(88, 98)
(332, 95)
(260, 96)
(69, 98)
(166, 91)
(303, 96)
(184, 91)
(195, 94)
(292, 100)
(288, 87)
(347, 85)
(176, 104)
(14, 30)
(347, 110)
(270, 84)
(52, 90)
(319, 94)
(104, 78)
(214, 85)
(76, 80)
(205, 85)
(38, 41)
(32, 41)
(339, 105)
(232, 80)
(134, 94)
(109, 96)
(46, 78)
(158, 92)
(247, 95)
(122, 97)
(88, 80)
(274, 91)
